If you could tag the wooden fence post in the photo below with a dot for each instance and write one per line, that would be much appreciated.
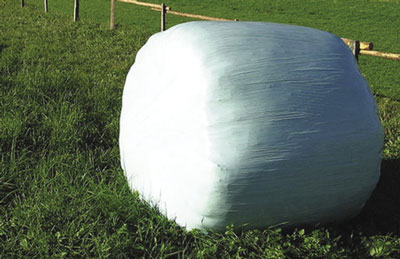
(76, 11)
(22, 3)
(163, 12)
(46, 6)
(364, 45)
(355, 48)
(112, 18)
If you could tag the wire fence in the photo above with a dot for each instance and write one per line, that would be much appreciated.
(356, 46)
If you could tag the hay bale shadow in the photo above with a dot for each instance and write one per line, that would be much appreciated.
(381, 214)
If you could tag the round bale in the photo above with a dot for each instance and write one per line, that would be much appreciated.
(249, 123)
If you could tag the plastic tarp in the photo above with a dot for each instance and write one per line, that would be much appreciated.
(249, 123)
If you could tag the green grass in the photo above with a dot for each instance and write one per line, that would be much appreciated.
(367, 20)
(62, 192)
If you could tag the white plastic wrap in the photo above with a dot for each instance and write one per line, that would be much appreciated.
(250, 123)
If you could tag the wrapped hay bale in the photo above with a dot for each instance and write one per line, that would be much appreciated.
(249, 123)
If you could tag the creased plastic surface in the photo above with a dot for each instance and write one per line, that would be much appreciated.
(249, 123)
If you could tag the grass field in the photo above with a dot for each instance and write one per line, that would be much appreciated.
(62, 192)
